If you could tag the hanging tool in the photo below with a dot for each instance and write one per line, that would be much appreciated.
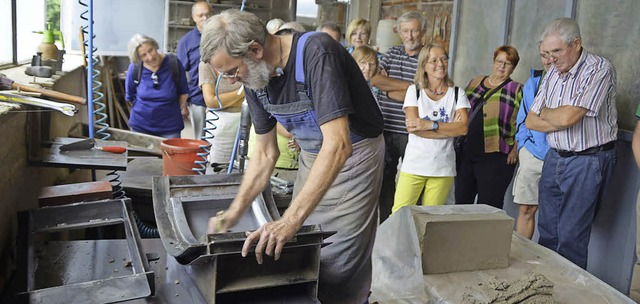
(444, 29)
(65, 108)
(8, 84)
(89, 144)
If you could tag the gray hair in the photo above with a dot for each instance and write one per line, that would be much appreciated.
(330, 26)
(193, 6)
(233, 31)
(412, 15)
(135, 42)
(566, 28)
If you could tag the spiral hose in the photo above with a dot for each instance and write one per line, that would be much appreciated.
(96, 105)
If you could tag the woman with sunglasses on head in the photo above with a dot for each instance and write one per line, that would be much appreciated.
(488, 155)
(436, 112)
(156, 84)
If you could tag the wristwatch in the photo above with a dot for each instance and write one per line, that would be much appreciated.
(435, 126)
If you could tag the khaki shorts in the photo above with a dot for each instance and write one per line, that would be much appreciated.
(525, 184)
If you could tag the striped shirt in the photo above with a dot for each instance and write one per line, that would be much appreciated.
(399, 65)
(589, 84)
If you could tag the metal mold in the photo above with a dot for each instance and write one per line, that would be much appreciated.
(56, 270)
(182, 205)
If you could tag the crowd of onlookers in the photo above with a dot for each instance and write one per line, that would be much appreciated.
(556, 133)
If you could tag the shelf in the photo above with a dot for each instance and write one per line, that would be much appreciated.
(180, 26)
(182, 2)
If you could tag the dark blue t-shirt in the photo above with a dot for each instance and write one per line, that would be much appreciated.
(336, 85)
(189, 55)
(156, 111)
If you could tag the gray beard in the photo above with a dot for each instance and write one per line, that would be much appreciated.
(258, 74)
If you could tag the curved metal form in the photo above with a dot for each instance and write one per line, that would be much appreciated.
(182, 205)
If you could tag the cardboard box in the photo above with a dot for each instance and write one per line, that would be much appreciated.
(465, 238)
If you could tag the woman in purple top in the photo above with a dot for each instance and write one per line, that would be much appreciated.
(159, 95)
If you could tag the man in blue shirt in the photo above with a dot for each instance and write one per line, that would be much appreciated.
(189, 55)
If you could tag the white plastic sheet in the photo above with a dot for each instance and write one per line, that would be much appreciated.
(397, 267)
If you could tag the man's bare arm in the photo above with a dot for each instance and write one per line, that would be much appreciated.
(336, 149)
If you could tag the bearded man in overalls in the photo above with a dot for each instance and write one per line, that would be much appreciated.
(313, 87)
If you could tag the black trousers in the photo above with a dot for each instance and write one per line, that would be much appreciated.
(487, 176)
(394, 146)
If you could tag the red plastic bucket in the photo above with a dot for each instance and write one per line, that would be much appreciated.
(179, 155)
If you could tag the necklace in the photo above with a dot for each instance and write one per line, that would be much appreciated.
(434, 92)
(491, 82)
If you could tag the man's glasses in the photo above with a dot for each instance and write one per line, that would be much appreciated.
(156, 83)
(230, 74)
(553, 54)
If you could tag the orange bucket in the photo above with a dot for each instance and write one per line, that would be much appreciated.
(179, 155)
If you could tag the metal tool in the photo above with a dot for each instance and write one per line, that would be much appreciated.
(65, 108)
(89, 144)
(8, 84)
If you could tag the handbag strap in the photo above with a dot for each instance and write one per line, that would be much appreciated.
(483, 99)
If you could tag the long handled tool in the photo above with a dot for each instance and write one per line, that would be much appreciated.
(65, 108)
(8, 84)
(89, 144)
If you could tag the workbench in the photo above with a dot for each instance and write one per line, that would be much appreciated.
(398, 275)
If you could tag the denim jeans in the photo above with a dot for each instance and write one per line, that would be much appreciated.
(570, 193)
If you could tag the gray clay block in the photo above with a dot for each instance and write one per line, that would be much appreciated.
(463, 242)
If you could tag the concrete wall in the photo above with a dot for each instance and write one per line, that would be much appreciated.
(610, 29)
(20, 181)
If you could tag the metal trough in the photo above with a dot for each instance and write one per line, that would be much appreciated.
(54, 269)
(182, 205)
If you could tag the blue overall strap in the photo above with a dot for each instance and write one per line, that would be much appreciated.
(300, 55)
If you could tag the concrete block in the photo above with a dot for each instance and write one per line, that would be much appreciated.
(477, 237)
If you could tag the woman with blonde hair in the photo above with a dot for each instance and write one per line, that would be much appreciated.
(358, 33)
(436, 112)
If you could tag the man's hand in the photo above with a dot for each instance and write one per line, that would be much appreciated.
(270, 239)
(222, 222)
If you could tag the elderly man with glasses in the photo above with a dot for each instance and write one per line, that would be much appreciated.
(576, 107)
(312, 86)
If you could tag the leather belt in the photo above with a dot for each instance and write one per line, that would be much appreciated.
(593, 150)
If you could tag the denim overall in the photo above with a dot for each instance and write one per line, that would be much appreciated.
(299, 117)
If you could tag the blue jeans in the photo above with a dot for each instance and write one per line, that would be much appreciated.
(570, 193)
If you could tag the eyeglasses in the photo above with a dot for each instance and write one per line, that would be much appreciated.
(156, 83)
(503, 63)
(371, 65)
(230, 74)
(435, 61)
(555, 53)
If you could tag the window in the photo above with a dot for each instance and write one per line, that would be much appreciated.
(30, 16)
(6, 34)
(307, 8)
